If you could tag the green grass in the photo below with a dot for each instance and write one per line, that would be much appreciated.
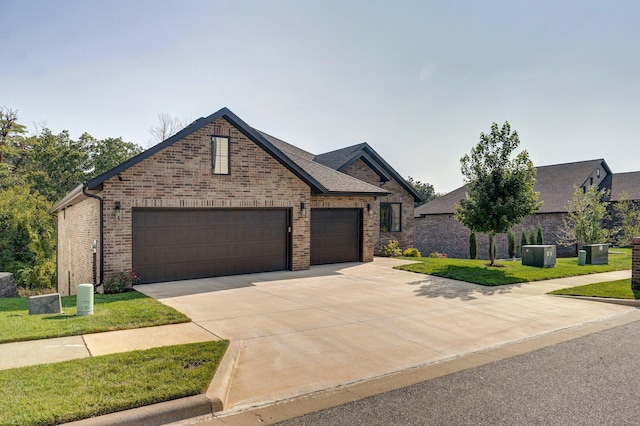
(111, 312)
(512, 272)
(620, 289)
(62, 392)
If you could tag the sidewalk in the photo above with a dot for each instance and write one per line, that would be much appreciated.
(45, 351)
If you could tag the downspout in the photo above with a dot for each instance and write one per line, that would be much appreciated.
(84, 192)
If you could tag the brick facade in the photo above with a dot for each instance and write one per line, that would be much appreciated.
(360, 170)
(78, 228)
(180, 176)
(443, 233)
(635, 264)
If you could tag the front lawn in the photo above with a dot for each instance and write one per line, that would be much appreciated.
(512, 272)
(620, 289)
(111, 312)
(57, 393)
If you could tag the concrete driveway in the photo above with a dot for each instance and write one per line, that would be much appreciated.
(300, 332)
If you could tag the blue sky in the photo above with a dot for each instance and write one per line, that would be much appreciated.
(418, 80)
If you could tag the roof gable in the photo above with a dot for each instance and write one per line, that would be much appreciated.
(625, 182)
(342, 158)
(235, 121)
(555, 183)
(321, 179)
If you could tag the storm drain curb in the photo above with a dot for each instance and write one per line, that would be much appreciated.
(155, 414)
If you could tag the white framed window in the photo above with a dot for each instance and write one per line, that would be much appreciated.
(220, 155)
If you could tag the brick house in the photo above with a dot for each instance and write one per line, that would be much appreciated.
(437, 230)
(222, 198)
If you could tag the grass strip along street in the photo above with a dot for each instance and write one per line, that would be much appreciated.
(66, 391)
(111, 312)
(512, 271)
(620, 289)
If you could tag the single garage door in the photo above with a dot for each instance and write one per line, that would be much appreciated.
(336, 235)
(183, 244)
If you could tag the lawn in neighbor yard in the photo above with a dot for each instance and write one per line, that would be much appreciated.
(512, 271)
(620, 289)
(111, 312)
(57, 393)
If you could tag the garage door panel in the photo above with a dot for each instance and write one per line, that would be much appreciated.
(335, 235)
(182, 244)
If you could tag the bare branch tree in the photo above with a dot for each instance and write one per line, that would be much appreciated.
(167, 126)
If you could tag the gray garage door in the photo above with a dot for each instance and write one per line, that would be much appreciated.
(336, 235)
(173, 245)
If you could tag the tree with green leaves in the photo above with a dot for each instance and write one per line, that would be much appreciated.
(426, 190)
(627, 214)
(11, 135)
(523, 238)
(27, 235)
(586, 212)
(532, 237)
(499, 188)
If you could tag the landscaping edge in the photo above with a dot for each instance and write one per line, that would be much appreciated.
(178, 409)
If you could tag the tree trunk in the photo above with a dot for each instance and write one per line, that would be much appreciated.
(492, 251)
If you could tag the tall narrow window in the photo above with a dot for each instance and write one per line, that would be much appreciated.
(220, 155)
(390, 217)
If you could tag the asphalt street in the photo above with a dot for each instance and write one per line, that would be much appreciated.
(592, 380)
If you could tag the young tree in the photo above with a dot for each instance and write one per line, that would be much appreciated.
(473, 246)
(532, 236)
(539, 236)
(500, 188)
(523, 238)
(583, 223)
(627, 215)
(511, 243)
(426, 190)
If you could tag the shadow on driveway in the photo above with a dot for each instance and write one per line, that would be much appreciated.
(434, 287)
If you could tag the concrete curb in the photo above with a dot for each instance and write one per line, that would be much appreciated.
(177, 409)
(624, 302)
(221, 382)
(279, 411)
(155, 414)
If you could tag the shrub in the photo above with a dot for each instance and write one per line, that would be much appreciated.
(539, 236)
(390, 249)
(473, 246)
(532, 237)
(437, 254)
(411, 252)
(120, 282)
(523, 238)
(511, 243)
(41, 276)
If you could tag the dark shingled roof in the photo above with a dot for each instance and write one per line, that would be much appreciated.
(342, 158)
(321, 179)
(625, 182)
(555, 184)
(333, 180)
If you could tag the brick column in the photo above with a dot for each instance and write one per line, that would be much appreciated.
(635, 265)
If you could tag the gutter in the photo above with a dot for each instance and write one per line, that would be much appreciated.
(84, 192)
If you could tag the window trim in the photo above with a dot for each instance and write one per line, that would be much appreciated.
(390, 216)
(214, 156)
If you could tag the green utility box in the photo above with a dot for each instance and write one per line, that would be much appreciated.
(597, 254)
(542, 256)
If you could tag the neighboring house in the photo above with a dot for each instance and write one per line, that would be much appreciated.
(222, 198)
(437, 230)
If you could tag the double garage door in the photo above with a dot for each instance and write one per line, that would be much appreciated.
(178, 244)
